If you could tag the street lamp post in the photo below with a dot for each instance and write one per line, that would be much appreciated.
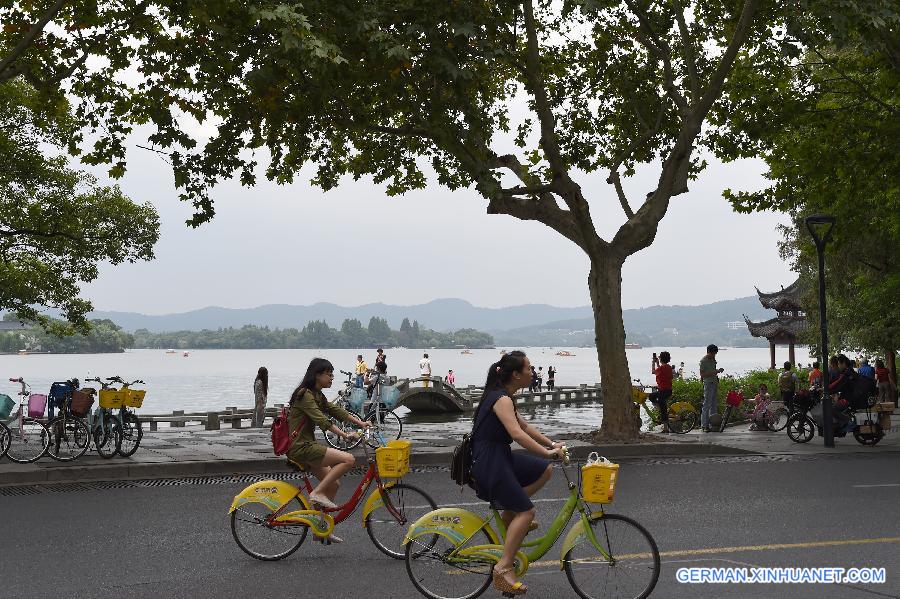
(822, 220)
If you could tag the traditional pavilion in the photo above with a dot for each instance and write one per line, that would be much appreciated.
(784, 328)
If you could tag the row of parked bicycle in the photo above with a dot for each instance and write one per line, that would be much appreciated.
(62, 425)
(863, 417)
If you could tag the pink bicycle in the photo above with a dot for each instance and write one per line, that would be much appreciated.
(23, 438)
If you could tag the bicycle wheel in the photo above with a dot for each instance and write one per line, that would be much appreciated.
(28, 440)
(4, 439)
(801, 428)
(779, 420)
(385, 530)
(108, 437)
(627, 566)
(262, 541)
(438, 576)
(338, 442)
(132, 433)
(387, 425)
(871, 438)
(69, 438)
(683, 422)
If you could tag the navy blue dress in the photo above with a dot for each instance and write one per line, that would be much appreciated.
(500, 474)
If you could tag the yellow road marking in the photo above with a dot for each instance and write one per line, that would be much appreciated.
(718, 550)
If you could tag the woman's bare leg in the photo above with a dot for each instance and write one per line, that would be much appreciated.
(515, 534)
(334, 465)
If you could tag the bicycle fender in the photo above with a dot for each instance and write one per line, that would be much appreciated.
(374, 501)
(575, 536)
(452, 523)
(271, 493)
(682, 405)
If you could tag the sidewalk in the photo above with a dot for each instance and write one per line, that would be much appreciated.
(193, 451)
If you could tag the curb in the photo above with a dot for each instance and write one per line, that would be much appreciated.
(436, 457)
(126, 471)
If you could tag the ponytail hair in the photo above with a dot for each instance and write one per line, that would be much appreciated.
(502, 371)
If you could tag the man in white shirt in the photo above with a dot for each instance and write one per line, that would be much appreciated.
(425, 369)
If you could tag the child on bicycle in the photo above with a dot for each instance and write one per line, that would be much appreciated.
(308, 409)
(760, 407)
(664, 374)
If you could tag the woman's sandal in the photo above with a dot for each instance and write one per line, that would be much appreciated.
(503, 585)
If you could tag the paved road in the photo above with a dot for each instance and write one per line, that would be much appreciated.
(174, 541)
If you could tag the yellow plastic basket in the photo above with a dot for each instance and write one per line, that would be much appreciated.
(393, 460)
(134, 398)
(598, 479)
(111, 398)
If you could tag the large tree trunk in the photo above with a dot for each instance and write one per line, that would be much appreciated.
(890, 361)
(605, 283)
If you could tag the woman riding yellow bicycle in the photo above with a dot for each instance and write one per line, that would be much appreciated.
(309, 408)
(503, 478)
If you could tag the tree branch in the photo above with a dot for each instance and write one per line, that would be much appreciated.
(29, 38)
(35, 233)
(640, 230)
(543, 210)
(689, 53)
(659, 49)
(865, 91)
(615, 180)
(562, 183)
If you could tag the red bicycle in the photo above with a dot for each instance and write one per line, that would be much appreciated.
(270, 519)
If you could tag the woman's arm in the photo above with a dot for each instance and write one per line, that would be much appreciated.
(505, 411)
(535, 433)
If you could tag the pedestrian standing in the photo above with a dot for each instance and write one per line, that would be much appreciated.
(260, 393)
(381, 358)
(451, 380)
(815, 377)
(425, 369)
(709, 374)
(883, 378)
(505, 479)
(361, 369)
(534, 380)
(540, 378)
(787, 384)
(664, 374)
(551, 378)
(681, 371)
(866, 370)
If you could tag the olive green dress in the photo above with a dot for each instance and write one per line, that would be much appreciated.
(316, 409)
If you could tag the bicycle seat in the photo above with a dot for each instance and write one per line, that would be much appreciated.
(295, 466)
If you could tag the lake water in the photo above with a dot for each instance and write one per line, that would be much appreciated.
(214, 379)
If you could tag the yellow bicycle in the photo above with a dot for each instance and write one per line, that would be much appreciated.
(683, 416)
(451, 552)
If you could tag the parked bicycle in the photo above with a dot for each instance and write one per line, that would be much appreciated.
(23, 437)
(451, 552)
(270, 519)
(106, 431)
(70, 436)
(386, 424)
(683, 417)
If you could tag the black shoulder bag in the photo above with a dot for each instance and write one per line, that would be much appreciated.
(461, 459)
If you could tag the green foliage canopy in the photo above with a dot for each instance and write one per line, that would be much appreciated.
(56, 224)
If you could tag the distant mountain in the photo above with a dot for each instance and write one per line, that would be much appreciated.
(656, 325)
(440, 315)
(525, 325)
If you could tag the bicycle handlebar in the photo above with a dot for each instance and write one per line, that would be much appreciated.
(347, 373)
(18, 380)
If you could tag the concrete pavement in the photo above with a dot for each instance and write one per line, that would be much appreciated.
(171, 538)
(192, 451)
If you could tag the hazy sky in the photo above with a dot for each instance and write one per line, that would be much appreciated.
(354, 245)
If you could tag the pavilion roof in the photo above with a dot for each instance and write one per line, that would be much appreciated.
(788, 298)
(778, 327)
